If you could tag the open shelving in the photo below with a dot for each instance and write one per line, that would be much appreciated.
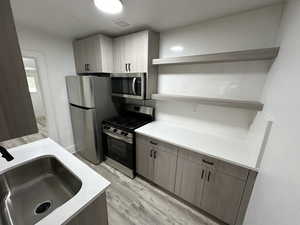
(245, 55)
(233, 103)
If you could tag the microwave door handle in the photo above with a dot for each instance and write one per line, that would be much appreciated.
(133, 86)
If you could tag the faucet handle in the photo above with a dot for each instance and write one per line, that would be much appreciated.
(5, 154)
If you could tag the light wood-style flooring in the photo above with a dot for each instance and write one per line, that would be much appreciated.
(133, 201)
(43, 133)
(136, 202)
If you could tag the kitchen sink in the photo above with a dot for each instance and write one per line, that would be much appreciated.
(30, 192)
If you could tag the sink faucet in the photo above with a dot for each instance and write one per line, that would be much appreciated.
(5, 154)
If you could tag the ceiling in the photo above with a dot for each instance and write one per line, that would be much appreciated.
(77, 18)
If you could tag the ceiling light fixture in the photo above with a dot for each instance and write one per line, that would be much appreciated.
(109, 6)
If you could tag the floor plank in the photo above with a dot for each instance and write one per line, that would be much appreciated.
(136, 202)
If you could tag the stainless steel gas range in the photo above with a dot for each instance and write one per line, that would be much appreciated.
(119, 137)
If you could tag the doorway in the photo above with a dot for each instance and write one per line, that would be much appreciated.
(38, 102)
(36, 94)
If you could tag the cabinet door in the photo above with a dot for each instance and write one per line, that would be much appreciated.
(190, 178)
(144, 161)
(222, 195)
(92, 54)
(79, 55)
(119, 55)
(130, 51)
(106, 54)
(140, 57)
(165, 159)
(136, 52)
(16, 112)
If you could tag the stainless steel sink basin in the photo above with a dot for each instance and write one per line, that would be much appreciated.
(30, 192)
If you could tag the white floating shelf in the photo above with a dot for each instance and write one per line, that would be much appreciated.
(246, 55)
(251, 105)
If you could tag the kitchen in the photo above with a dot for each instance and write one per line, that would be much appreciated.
(184, 114)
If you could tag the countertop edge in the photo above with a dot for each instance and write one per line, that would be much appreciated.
(196, 150)
(49, 148)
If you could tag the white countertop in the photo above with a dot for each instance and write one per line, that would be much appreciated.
(93, 185)
(232, 150)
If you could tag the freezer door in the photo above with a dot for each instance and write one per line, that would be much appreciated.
(81, 91)
(85, 133)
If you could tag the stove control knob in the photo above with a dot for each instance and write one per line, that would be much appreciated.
(115, 130)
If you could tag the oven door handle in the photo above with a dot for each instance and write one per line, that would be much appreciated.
(133, 85)
(118, 138)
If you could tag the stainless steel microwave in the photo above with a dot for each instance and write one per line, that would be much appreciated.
(128, 85)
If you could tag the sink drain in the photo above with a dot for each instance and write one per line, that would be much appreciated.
(42, 207)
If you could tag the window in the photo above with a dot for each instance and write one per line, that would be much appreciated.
(31, 74)
(31, 84)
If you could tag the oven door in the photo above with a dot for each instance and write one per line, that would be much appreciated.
(120, 151)
(128, 85)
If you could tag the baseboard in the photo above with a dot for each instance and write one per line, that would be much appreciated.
(71, 149)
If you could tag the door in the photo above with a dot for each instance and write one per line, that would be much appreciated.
(190, 179)
(165, 159)
(139, 52)
(119, 55)
(130, 52)
(84, 130)
(92, 54)
(119, 150)
(144, 160)
(79, 54)
(128, 85)
(222, 195)
(80, 91)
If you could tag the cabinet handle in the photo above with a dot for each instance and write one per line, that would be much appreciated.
(155, 154)
(208, 177)
(87, 67)
(207, 162)
(202, 174)
(151, 153)
(153, 143)
(129, 64)
(126, 68)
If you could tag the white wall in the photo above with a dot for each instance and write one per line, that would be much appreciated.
(55, 60)
(252, 29)
(276, 197)
(238, 80)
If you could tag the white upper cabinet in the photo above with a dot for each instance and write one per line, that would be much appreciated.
(93, 54)
(131, 52)
(119, 55)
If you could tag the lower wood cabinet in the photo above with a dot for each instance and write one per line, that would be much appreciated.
(222, 195)
(190, 178)
(156, 161)
(164, 169)
(213, 185)
(144, 160)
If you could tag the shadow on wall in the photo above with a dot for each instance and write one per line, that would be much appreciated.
(238, 80)
(205, 118)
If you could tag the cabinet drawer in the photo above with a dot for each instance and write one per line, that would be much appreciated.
(212, 163)
(191, 156)
(162, 146)
(233, 170)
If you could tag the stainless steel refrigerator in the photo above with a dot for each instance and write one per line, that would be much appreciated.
(90, 103)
